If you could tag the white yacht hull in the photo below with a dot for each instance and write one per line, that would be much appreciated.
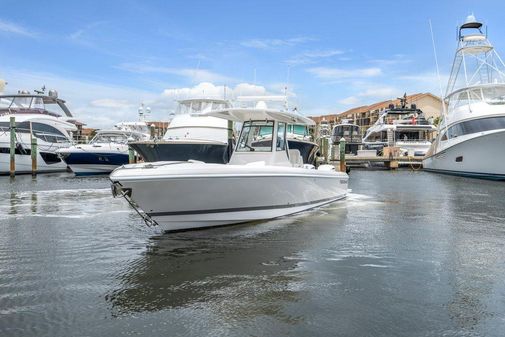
(24, 164)
(482, 156)
(231, 194)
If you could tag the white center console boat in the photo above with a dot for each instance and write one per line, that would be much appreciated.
(261, 181)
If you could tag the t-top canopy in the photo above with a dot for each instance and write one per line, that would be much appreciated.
(246, 114)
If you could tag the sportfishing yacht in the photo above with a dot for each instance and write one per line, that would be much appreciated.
(191, 135)
(261, 181)
(350, 132)
(471, 135)
(402, 126)
(41, 116)
(105, 152)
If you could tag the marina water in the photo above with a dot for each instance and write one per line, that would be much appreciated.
(406, 254)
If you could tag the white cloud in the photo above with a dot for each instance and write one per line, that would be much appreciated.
(312, 56)
(111, 103)
(351, 100)
(194, 74)
(12, 28)
(393, 60)
(97, 104)
(275, 43)
(375, 93)
(338, 73)
(210, 90)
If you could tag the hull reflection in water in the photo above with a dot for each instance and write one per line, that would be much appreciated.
(238, 272)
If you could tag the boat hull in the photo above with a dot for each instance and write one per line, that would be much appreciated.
(168, 151)
(82, 161)
(201, 200)
(24, 163)
(482, 156)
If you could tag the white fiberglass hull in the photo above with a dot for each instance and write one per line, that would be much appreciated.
(24, 164)
(188, 196)
(482, 156)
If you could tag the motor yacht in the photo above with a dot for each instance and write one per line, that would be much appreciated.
(191, 135)
(106, 151)
(261, 181)
(401, 126)
(471, 135)
(41, 116)
(350, 132)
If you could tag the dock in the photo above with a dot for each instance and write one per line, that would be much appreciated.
(391, 162)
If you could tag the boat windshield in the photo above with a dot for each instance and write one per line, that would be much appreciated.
(493, 95)
(29, 104)
(298, 129)
(119, 138)
(256, 136)
(194, 107)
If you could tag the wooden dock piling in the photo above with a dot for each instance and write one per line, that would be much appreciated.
(131, 156)
(12, 151)
(34, 155)
(341, 146)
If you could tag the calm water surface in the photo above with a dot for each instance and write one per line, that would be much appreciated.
(407, 254)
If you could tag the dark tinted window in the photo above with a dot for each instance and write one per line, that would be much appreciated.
(478, 125)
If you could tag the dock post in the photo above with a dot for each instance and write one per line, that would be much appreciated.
(131, 156)
(34, 155)
(12, 151)
(324, 145)
(341, 147)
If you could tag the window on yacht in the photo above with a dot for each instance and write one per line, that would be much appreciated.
(476, 125)
(110, 138)
(256, 136)
(494, 95)
(281, 139)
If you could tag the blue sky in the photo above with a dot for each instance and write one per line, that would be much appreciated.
(105, 57)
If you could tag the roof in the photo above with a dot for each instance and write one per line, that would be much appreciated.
(246, 114)
(378, 106)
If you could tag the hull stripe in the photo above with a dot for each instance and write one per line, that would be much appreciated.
(490, 176)
(245, 209)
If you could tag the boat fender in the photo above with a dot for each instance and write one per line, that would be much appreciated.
(20, 148)
(326, 167)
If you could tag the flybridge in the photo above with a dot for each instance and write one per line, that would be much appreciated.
(476, 62)
(25, 102)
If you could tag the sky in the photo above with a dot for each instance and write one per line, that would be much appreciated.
(106, 57)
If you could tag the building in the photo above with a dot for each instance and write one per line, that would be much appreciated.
(366, 115)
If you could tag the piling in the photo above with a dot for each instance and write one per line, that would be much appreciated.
(34, 155)
(341, 147)
(12, 169)
(324, 145)
(131, 156)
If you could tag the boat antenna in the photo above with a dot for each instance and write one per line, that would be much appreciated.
(444, 111)
(286, 103)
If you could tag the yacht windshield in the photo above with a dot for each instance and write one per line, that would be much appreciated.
(298, 130)
(119, 138)
(256, 136)
(192, 107)
(494, 95)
